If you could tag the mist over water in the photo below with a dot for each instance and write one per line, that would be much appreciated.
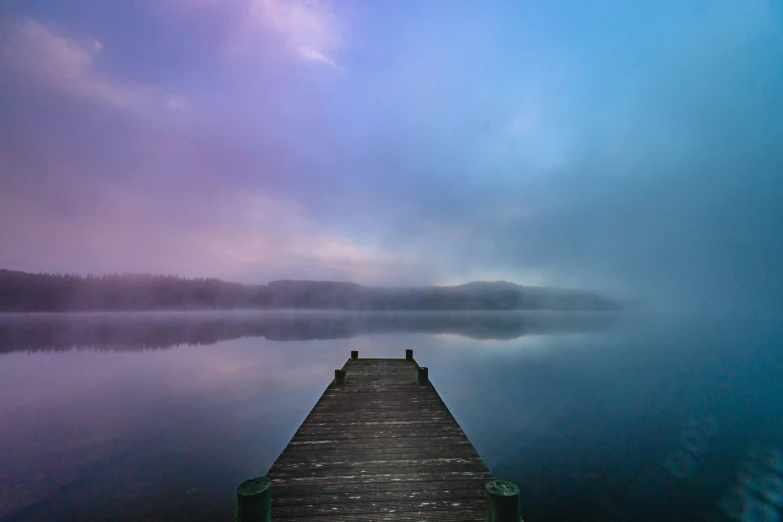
(633, 150)
(596, 417)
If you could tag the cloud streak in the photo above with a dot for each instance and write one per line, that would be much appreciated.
(70, 66)
(65, 65)
(275, 30)
(309, 28)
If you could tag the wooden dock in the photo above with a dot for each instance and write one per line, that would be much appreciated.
(379, 445)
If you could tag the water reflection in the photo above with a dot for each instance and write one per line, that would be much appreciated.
(595, 417)
(758, 493)
(148, 435)
(694, 441)
(140, 331)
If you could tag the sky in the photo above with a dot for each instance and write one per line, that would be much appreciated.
(630, 147)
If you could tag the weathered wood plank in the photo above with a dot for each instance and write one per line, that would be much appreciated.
(399, 472)
(367, 478)
(373, 423)
(392, 445)
(375, 432)
(344, 453)
(376, 496)
(348, 464)
(402, 516)
(372, 507)
(379, 447)
(443, 485)
(380, 442)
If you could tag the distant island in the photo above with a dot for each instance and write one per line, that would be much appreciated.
(26, 292)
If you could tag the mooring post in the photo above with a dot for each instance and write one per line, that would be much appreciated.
(408, 354)
(502, 501)
(423, 377)
(354, 354)
(254, 500)
(339, 376)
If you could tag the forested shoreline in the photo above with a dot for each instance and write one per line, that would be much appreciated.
(27, 292)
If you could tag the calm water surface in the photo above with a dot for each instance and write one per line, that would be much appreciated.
(596, 417)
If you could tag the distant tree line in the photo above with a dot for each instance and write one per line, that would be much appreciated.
(26, 292)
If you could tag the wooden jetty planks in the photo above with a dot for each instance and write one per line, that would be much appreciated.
(379, 447)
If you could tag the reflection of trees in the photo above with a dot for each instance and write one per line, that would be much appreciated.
(142, 331)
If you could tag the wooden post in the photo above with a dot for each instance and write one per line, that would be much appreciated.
(339, 376)
(423, 377)
(408, 354)
(354, 354)
(502, 501)
(254, 500)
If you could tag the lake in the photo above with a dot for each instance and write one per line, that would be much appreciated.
(159, 416)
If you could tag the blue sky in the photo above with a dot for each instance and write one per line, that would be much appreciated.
(633, 147)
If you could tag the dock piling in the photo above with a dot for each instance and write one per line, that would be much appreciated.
(339, 376)
(502, 501)
(254, 500)
(408, 354)
(354, 354)
(423, 376)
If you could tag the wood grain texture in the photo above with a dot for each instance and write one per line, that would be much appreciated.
(379, 447)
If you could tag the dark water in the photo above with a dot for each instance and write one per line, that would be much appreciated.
(595, 416)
